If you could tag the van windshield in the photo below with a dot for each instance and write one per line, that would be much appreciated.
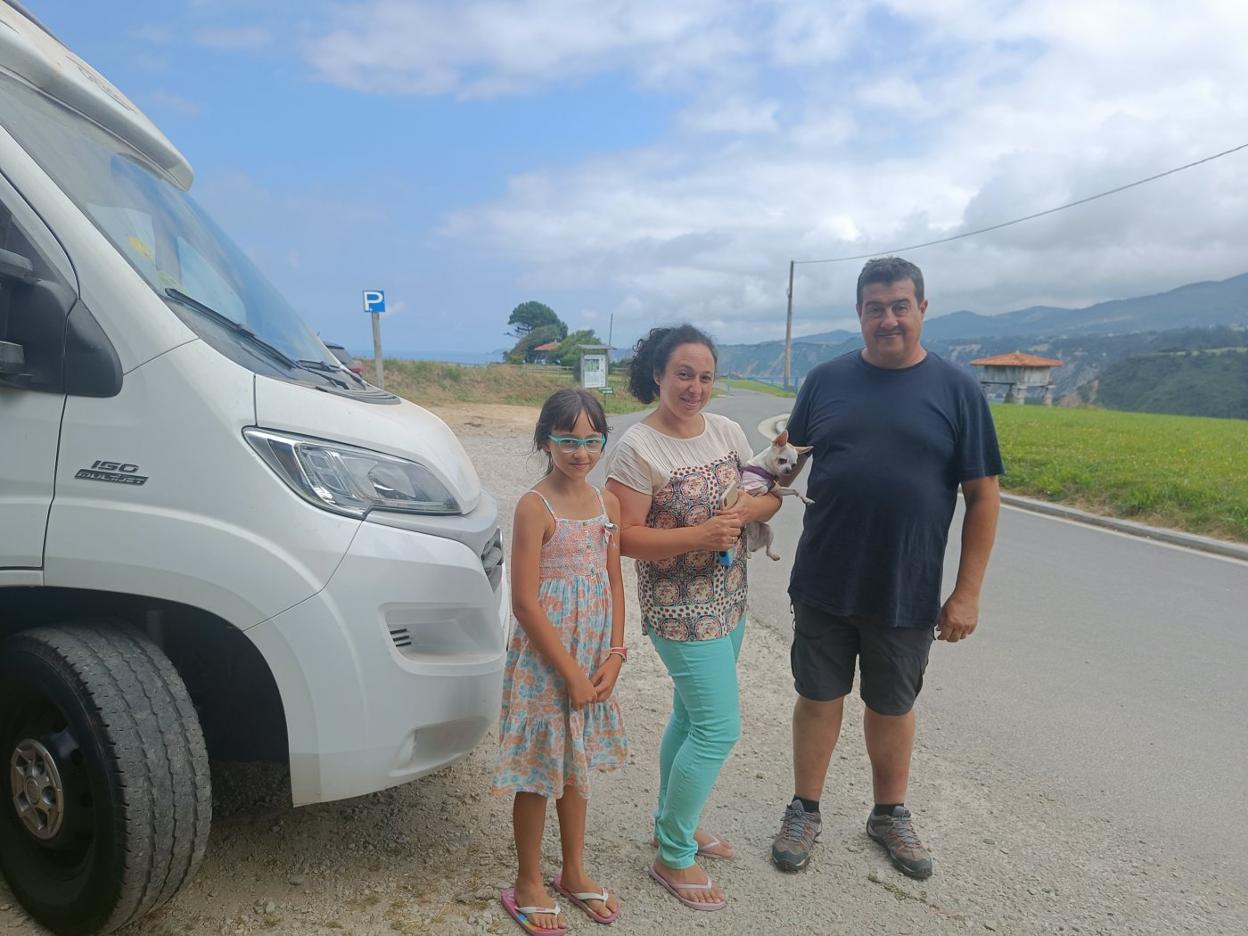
(168, 239)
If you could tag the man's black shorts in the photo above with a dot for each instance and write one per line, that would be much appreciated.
(892, 659)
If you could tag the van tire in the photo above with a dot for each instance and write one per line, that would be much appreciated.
(110, 711)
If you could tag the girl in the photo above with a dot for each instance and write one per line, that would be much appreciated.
(559, 719)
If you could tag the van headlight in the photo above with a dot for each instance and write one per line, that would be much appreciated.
(350, 480)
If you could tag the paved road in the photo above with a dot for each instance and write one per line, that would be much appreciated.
(1108, 669)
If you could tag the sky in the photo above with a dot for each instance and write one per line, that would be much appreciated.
(650, 162)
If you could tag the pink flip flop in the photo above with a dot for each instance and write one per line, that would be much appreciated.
(717, 842)
(521, 914)
(675, 890)
(578, 900)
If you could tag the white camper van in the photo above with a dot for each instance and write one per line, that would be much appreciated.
(215, 541)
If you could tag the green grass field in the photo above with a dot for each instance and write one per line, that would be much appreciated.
(1183, 472)
(433, 382)
(737, 383)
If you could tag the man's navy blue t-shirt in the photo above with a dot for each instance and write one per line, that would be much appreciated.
(890, 449)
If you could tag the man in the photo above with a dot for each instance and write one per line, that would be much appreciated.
(896, 430)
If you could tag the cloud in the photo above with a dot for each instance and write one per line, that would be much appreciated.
(489, 48)
(233, 38)
(886, 126)
(734, 116)
(805, 33)
(806, 130)
(156, 34)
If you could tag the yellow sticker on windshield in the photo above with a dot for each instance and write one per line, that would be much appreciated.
(141, 248)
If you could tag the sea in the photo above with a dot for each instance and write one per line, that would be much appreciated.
(446, 357)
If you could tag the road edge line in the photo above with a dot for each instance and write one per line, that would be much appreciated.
(1173, 537)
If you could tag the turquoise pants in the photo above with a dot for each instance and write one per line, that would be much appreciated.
(705, 724)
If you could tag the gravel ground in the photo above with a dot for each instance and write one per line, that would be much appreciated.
(430, 857)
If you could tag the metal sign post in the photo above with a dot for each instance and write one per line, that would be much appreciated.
(788, 335)
(375, 303)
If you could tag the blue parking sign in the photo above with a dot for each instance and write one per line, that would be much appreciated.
(374, 300)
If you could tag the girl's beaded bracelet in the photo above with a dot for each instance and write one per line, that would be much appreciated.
(621, 652)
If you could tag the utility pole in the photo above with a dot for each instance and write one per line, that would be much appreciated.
(610, 334)
(788, 335)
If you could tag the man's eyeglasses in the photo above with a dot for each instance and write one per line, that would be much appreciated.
(876, 312)
(569, 444)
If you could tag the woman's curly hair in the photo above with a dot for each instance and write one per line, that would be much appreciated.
(651, 353)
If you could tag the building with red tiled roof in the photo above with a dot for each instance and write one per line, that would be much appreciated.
(544, 353)
(1018, 373)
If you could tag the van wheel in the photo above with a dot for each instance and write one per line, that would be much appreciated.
(105, 794)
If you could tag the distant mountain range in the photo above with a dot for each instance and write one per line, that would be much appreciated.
(1196, 305)
(1196, 316)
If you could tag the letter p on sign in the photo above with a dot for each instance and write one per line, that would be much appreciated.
(374, 300)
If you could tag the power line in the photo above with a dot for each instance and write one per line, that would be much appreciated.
(1031, 217)
(788, 329)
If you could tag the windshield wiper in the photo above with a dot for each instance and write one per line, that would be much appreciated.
(329, 373)
(237, 327)
(333, 374)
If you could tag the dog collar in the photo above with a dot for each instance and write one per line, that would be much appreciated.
(760, 471)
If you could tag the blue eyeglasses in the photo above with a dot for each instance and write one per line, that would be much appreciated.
(569, 444)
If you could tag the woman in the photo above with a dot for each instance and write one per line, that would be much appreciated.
(668, 472)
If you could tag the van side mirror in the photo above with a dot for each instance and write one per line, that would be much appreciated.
(17, 269)
(49, 341)
(33, 326)
(12, 363)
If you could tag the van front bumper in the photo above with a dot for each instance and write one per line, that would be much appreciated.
(395, 668)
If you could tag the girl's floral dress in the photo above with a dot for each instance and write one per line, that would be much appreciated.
(544, 744)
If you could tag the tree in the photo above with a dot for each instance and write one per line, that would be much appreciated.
(530, 315)
(568, 354)
(524, 353)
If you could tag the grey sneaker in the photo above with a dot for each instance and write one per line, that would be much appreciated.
(896, 833)
(791, 848)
